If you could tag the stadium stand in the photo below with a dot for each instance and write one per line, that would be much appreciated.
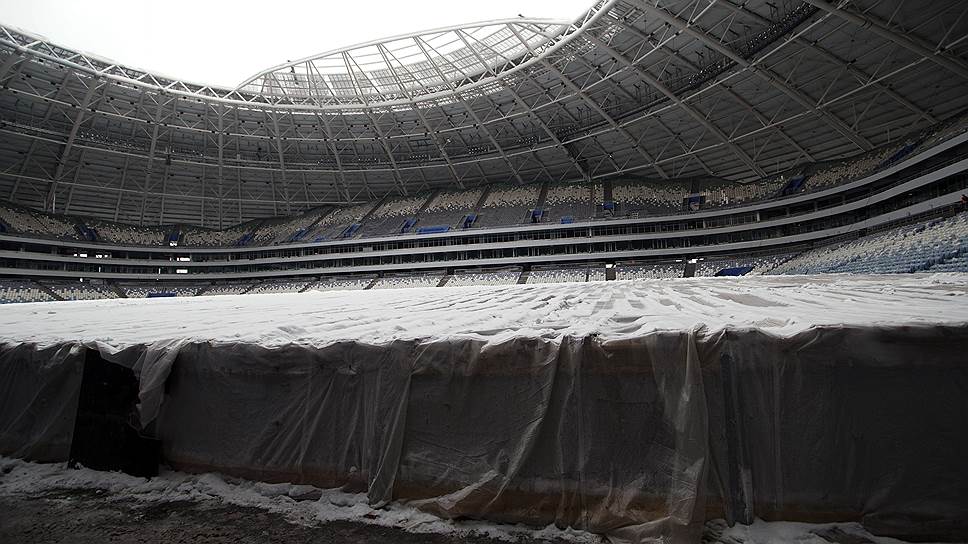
(279, 286)
(830, 174)
(495, 277)
(569, 202)
(199, 237)
(633, 271)
(648, 198)
(342, 284)
(134, 290)
(727, 194)
(509, 205)
(937, 245)
(449, 208)
(740, 265)
(392, 217)
(558, 275)
(405, 281)
(294, 229)
(16, 290)
(24, 221)
(119, 233)
(226, 288)
(504, 205)
(79, 290)
(336, 223)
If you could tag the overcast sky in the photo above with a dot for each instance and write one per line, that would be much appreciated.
(221, 42)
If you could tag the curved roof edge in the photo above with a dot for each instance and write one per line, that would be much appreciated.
(29, 43)
(443, 29)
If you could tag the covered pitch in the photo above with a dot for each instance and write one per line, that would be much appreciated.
(631, 409)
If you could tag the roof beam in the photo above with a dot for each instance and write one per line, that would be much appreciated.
(729, 91)
(460, 98)
(766, 74)
(75, 126)
(599, 110)
(386, 54)
(693, 112)
(850, 67)
(908, 41)
(522, 104)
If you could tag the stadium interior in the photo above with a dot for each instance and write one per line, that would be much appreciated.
(659, 144)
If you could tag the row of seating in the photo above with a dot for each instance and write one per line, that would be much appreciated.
(466, 278)
(26, 221)
(560, 275)
(933, 246)
(122, 234)
(160, 290)
(756, 265)
(408, 281)
(648, 271)
(77, 290)
(17, 290)
(939, 245)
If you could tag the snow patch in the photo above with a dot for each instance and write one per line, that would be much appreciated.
(22, 478)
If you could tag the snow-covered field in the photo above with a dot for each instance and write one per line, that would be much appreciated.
(309, 506)
(782, 305)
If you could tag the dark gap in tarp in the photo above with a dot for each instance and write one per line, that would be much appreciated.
(107, 433)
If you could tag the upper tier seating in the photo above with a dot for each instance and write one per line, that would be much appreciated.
(24, 221)
(927, 246)
(632, 271)
(569, 200)
(847, 170)
(509, 205)
(500, 277)
(733, 194)
(16, 290)
(389, 217)
(294, 229)
(505, 204)
(643, 198)
(198, 237)
(119, 233)
(944, 131)
(449, 208)
(335, 223)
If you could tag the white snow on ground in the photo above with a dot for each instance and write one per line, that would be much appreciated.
(786, 532)
(22, 478)
(782, 305)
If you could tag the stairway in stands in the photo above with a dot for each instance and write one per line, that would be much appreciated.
(46, 289)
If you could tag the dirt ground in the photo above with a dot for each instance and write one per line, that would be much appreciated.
(88, 517)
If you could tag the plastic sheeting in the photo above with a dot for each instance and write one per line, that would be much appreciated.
(636, 438)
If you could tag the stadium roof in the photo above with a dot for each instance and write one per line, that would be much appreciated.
(401, 69)
(632, 89)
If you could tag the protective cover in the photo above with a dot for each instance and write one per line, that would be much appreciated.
(635, 438)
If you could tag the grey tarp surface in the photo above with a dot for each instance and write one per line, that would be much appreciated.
(634, 438)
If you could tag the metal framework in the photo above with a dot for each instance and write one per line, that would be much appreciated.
(632, 89)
